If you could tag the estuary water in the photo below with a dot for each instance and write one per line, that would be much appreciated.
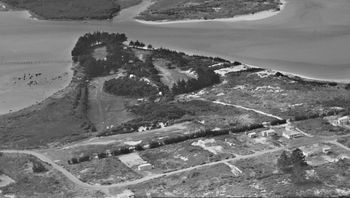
(308, 37)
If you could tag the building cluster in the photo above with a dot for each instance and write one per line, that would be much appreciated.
(289, 132)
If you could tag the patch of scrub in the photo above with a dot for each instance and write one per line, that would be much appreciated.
(224, 71)
(207, 145)
(181, 157)
(132, 160)
(266, 73)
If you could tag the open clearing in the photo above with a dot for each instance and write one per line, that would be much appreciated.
(169, 76)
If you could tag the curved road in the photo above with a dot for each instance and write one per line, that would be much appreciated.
(78, 182)
(105, 188)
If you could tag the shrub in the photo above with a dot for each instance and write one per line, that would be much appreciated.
(38, 167)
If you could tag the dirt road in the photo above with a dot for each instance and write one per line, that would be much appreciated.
(248, 109)
(105, 188)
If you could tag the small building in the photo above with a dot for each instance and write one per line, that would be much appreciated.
(268, 133)
(145, 167)
(291, 134)
(252, 135)
(343, 120)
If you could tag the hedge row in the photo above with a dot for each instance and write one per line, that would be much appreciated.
(170, 140)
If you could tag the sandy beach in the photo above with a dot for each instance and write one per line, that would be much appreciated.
(248, 17)
(305, 77)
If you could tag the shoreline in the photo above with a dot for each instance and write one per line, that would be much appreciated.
(239, 18)
(303, 77)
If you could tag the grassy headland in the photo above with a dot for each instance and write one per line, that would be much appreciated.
(72, 9)
(200, 9)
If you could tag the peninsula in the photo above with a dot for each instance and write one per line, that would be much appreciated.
(138, 120)
(167, 10)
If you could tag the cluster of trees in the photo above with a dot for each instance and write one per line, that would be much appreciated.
(139, 44)
(38, 167)
(173, 56)
(347, 86)
(295, 164)
(144, 69)
(317, 115)
(117, 56)
(135, 87)
(206, 77)
(119, 151)
(89, 41)
(132, 87)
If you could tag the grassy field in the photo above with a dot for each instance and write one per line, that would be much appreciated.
(179, 156)
(48, 183)
(169, 75)
(104, 171)
(203, 9)
(72, 9)
(213, 181)
(105, 109)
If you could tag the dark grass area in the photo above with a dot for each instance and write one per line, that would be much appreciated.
(104, 171)
(70, 9)
(204, 9)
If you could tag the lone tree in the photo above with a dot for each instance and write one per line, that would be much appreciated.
(284, 162)
(38, 167)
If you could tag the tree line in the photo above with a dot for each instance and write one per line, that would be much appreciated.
(206, 77)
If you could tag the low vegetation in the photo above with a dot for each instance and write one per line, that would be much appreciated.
(72, 9)
(32, 183)
(200, 9)
(60, 118)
